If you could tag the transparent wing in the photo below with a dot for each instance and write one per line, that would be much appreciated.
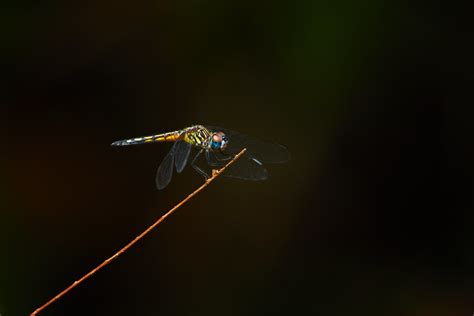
(263, 151)
(182, 151)
(246, 168)
(165, 170)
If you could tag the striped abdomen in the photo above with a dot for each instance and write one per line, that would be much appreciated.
(165, 137)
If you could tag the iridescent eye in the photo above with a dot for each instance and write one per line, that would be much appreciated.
(215, 145)
(216, 138)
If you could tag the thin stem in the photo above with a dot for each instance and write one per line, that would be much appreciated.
(215, 174)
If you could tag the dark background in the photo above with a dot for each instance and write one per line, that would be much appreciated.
(372, 216)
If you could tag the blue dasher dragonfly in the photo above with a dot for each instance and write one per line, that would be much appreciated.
(215, 147)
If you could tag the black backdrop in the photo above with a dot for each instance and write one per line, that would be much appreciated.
(372, 216)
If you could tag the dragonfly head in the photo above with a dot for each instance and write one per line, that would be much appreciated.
(219, 141)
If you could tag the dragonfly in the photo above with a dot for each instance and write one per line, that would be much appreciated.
(214, 146)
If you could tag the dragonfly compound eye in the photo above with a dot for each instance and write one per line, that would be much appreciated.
(219, 140)
(224, 141)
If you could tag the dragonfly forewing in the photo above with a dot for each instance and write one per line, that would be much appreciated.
(263, 151)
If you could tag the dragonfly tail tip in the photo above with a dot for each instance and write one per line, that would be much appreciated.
(118, 143)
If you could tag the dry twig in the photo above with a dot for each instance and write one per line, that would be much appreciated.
(215, 174)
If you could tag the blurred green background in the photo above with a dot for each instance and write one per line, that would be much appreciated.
(372, 216)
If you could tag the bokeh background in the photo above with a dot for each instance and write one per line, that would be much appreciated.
(372, 216)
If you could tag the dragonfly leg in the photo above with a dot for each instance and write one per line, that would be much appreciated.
(196, 167)
(214, 161)
(209, 159)
(227, 158)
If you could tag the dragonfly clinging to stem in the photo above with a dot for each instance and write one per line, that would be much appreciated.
(216, 146)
